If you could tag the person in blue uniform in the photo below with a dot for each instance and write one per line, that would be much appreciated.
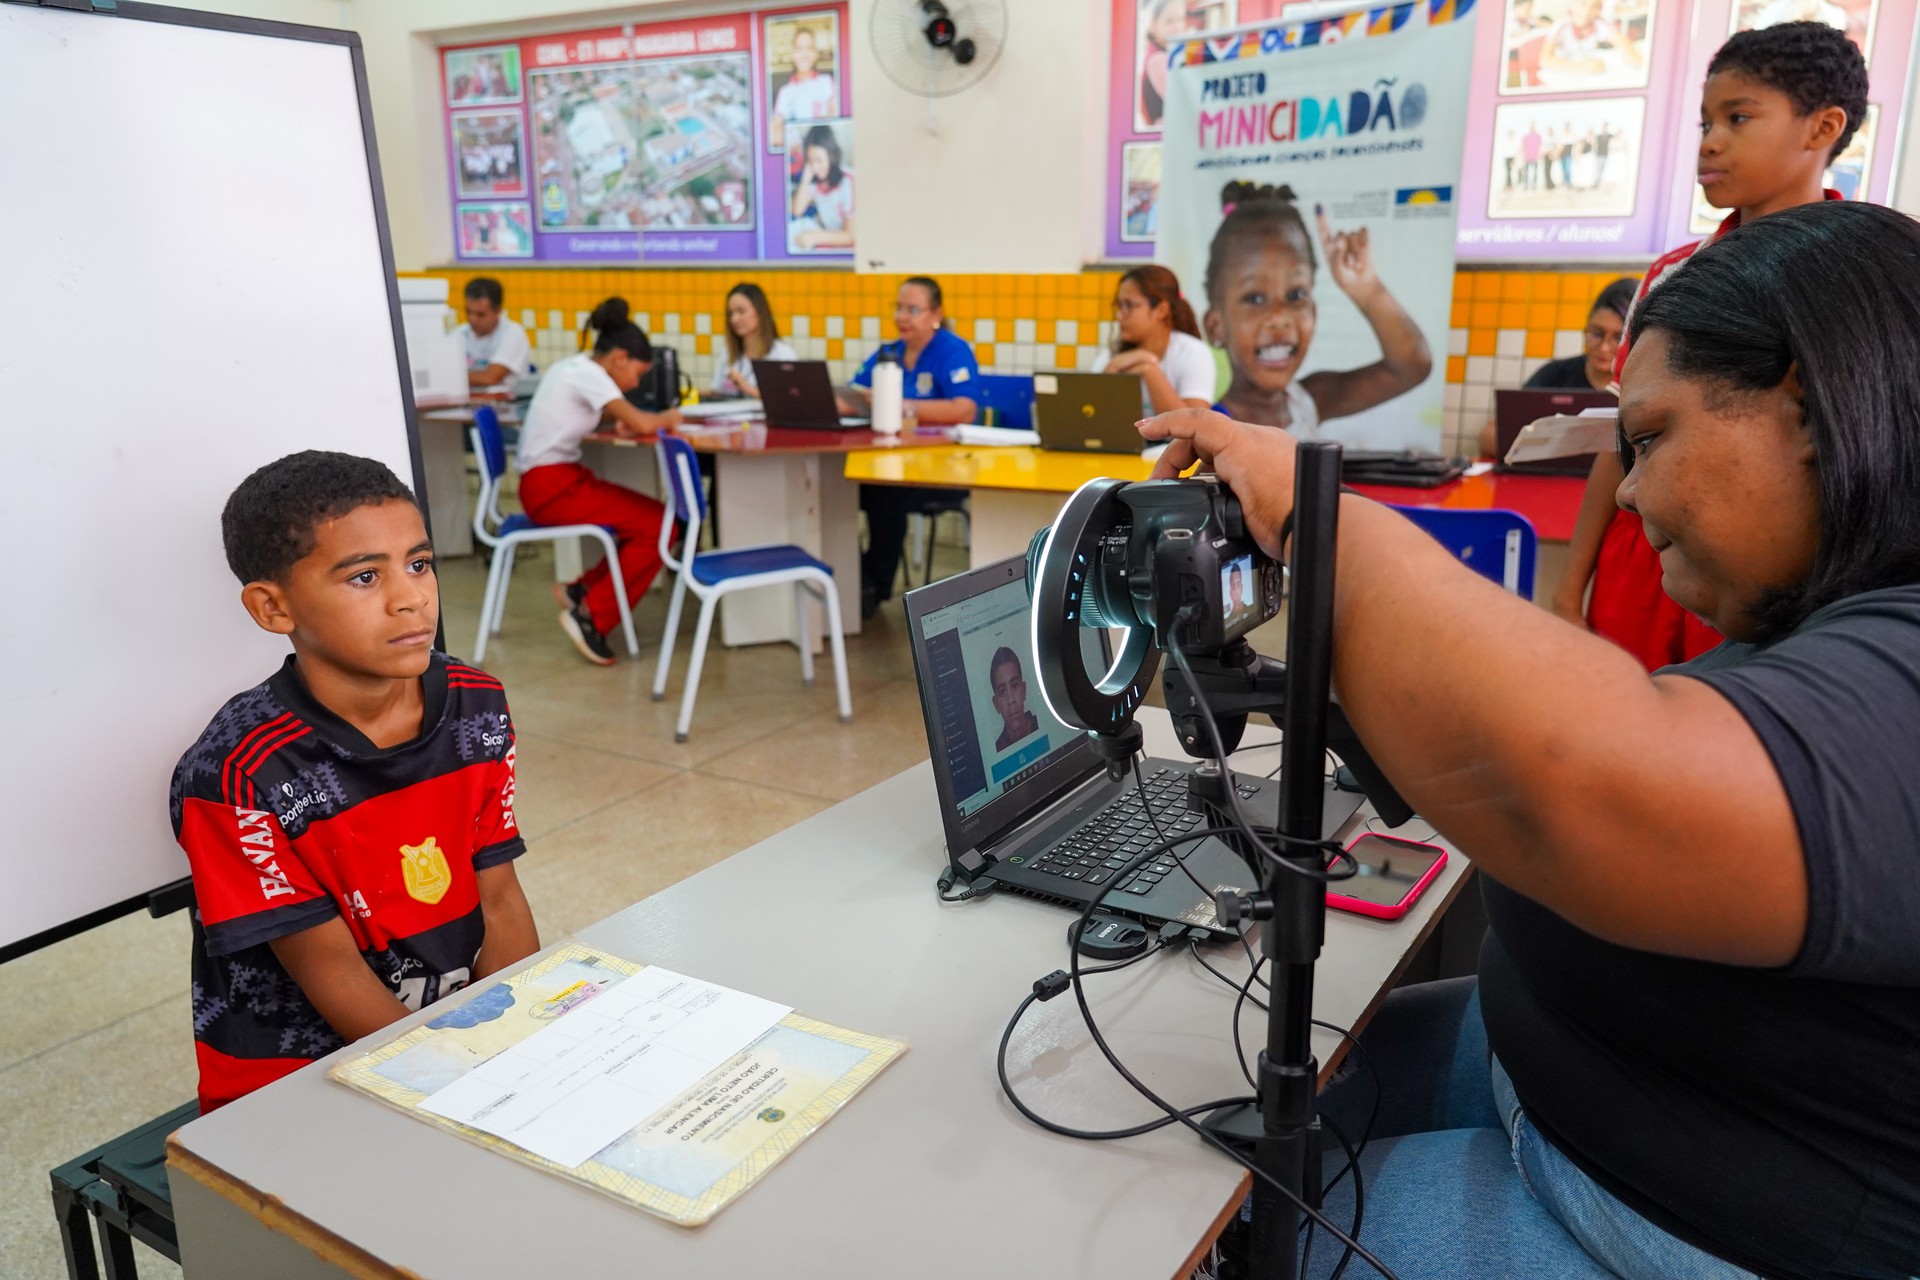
(941, 384)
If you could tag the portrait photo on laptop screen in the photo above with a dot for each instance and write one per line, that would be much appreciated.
(995, 726)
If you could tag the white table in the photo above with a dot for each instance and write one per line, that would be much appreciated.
(927, 1174)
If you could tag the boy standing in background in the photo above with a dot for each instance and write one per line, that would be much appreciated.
(349, 821)
(1778, 106)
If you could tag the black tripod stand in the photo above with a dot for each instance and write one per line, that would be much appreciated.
(1281, 1131)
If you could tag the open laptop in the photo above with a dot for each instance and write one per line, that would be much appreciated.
(1513, 410)
(799, 394)
(1030, 795)
(1088, 412)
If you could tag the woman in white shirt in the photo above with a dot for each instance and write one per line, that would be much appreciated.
(808, 94)
(1159, 339)
(574, 398)
(752, 335)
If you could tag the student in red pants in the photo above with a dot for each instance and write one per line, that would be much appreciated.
(575, 397)
(1779, 105)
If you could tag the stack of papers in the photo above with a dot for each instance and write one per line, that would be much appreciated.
(995, 436)
(658, 1089)
(1564, 435)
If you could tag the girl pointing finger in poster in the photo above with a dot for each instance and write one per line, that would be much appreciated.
(1261, 310)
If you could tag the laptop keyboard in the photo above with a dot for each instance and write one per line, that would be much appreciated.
(1107, 841)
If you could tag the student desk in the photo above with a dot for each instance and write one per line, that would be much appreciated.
(774, 485)
(928, 1173)
(1018, 490)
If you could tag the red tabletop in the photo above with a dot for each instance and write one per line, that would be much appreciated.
(1551, 503)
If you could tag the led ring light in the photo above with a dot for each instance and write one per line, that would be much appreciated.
(1061, 563)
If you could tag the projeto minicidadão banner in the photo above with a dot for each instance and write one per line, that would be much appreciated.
(1307, 204)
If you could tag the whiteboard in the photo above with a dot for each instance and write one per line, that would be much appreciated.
(196, 281)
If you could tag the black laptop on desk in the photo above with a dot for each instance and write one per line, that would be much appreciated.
(799, 394)
(1029, 794)
(1513, 410)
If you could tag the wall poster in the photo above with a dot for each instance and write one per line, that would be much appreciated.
(663, 142)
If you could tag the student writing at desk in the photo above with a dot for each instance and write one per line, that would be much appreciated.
(497, 348)
(576, 396)
(941, 379)
(349, 821)
(1701, 985)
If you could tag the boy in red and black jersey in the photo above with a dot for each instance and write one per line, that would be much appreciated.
(349, 821)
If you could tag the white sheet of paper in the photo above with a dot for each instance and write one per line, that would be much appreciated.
(1564, 435)
(569, 1090)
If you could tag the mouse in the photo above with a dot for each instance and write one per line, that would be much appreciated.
(1108, 937)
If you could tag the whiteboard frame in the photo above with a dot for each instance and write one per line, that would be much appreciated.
(175, 895)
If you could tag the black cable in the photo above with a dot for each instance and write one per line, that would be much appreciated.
(1140, 1086)
(1153, 820)
(1247, 828)
(980, 888)
(1359, 1199)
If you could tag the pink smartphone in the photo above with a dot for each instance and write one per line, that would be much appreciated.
(1393, 875)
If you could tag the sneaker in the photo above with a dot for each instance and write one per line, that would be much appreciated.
(578, 624)
(569, 595)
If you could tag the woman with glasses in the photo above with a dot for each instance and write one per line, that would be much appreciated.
(941, 380)
(1592, 369)
(1158, 338)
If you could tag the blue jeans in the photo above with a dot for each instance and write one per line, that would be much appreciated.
(1458, 1181)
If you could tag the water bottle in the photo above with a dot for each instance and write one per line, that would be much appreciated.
(889, 385)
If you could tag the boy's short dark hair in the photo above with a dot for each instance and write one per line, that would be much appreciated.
(267, 525)
(1814, 64)
(486, 289)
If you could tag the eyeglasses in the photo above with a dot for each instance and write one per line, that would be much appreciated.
(1603, 337)
(908, 309)
(1127, 306)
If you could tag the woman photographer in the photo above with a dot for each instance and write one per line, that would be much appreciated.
(1695, 1024)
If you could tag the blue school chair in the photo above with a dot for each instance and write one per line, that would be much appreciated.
(1010, 396)
(1500, 545)
(711, 575)
(504, 534)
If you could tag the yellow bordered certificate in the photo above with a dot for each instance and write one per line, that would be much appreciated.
(684, 1162)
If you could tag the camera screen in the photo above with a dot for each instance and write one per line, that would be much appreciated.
(1388, 870)
(1239, 593)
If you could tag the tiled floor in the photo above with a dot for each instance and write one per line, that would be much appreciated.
(96, 1033)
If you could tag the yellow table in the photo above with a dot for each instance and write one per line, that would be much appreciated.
(1016, 491)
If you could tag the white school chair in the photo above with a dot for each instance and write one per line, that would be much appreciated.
(711, 575)
(505, 533)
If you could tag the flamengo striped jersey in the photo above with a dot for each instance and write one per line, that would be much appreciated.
(290, 817)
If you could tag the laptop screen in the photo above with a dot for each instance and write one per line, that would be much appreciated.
(998, 753)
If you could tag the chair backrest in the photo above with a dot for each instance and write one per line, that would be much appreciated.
(686, 497)
(1500, 545)
(1010, 396)
(491, 453)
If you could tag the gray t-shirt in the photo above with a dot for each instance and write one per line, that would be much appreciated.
(1771, 1117)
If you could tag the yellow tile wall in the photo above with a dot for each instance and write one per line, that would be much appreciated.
(1504, 324)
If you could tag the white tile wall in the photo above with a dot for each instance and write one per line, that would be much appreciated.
(527, 321)
(1456, 342)
(870, 328)
(671, 323)
(1480, 371)
(1450, 397)
(836, 326)
(1024, 331)
(1568, 342)
(703, 323)
(554, 321)
(802, 326)
(1066, 332)
(1506, 371)
(983, 331)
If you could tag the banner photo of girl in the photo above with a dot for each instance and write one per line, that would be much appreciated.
(488, 154)
(1163, 24)
(483, 77)
(496, 230)
(1566, 159)
(1578, 46)
(1141, 166)
(803, 59)
(1855, 17)
(820, 208)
